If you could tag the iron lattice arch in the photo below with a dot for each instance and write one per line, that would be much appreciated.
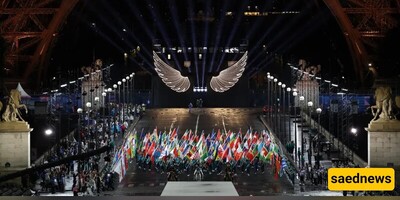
(364, 24)
(30, 28)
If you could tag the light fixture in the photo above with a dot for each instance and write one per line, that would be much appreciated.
(119, 82)
(275, 80)
(310, 104)
(115, 86)
(318, 110)
(103, 94)
(283, 85)
(48, 131)
(279, 83)
(301, 98)
(88, 104)
(96, 98)
(127, 77)
(123, 80)
(109, 90)
(79, 110)
(294, 93)
(288, 89)
(353, 130)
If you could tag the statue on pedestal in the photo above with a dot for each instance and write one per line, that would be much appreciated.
(12, 112)
(384, 106)
(94, 72)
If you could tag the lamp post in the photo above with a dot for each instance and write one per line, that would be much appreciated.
(133, 87)
(119, 97)
(283, 113)
(295, 128)
(88, 106)
(123, 102)
(109, 90)
(79, 111)
(319, 111)
(119, 92)
(268, 93)
(275, 103)
(289, 136)
(271, 79)
(354, 132)
(301, 99)
(279, 112)
(309, 104)
(128, 96)
(104, 94)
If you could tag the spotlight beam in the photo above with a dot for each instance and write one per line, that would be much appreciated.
(178, 30)
(218, 35)
(164, 34)
(117, 32)
(233, 32)
(203, 84)
(275, 25)
(190, 10)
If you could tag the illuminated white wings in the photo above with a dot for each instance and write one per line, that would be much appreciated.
(228, 77)
(170, 76)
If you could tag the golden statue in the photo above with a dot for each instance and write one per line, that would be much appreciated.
(12, 112)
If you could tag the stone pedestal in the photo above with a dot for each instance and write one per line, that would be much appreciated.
(384, 143)
(15, 144)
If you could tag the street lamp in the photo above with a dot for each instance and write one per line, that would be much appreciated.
(319, 111)
(104, 94)
(301, 99)
(79, 111)
(133, 87)
(48, 132)
(128, 99)
(295, 127)
(275, 104)
(309, 104)
(123, 97)
(283, 112)
(271, 79)
(289, 135)
(119, 92)
(354, 132)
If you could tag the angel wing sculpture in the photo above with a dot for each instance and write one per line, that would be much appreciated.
(228, 77)
(170, 76)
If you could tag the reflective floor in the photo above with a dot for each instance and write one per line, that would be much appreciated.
(151, 183)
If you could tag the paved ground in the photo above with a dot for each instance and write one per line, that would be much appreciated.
(139, 182)
(150, 183)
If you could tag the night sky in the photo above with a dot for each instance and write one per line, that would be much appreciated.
(96, 29)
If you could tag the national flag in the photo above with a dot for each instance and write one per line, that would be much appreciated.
(250, 156)
(218, 138)
(238, 153)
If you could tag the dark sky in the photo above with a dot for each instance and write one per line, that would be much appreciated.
(312, 34)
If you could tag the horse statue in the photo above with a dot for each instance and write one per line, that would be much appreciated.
(384, 104)
(12, 112)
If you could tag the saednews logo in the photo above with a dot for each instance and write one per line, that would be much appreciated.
(364, 179)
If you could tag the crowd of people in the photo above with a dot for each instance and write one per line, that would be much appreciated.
(93, 174)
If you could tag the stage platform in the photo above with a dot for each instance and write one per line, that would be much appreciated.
(200, 188)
